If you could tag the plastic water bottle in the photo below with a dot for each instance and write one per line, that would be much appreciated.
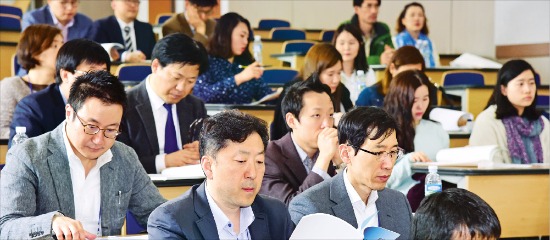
(20, 135)
(257, 47)
(433, 181)
(361, 80)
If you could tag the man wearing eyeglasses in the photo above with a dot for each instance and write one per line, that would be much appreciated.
(194, 21)
(368, 145)
(136, 36)
(307, 154)
(42, 111)
(161, 108)
(62, 14)
(77, 181)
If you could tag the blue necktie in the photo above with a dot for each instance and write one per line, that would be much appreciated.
(170, 140)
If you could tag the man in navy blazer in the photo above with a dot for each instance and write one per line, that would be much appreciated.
(227, 204)
(177, 61)
(368, 145)
(64, 15)
(112, 29)
(43, 111)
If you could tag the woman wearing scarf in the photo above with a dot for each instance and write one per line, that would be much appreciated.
(413, 30)
(511, 119)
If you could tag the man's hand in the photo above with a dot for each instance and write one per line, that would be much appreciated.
(419, 157)
(69, 229)
(385, 57)
(327, 142)
(134, 57)
(194, 20)
(189, 155)
(114, 54)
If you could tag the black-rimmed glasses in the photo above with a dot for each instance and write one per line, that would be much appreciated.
(91, 129)
(393, 155)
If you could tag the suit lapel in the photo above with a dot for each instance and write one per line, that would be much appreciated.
(292, 159)
(259, 229)
(185, 116)
(109, 192)
(384, 213)
(206, 223)
(145, 113)
(338, 195)
(116, 32)
(60, 172)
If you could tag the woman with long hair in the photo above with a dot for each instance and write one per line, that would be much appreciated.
(511, 120)
(226, 81)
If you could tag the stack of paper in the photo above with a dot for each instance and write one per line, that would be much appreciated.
(466, 156)
(185, 172)
(468, 60)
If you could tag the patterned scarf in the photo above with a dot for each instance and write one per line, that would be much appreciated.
(404, 38)
(523, 139)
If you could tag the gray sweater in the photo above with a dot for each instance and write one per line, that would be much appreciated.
(12, 90)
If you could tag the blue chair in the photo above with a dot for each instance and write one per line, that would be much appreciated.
(268, 24)
(132, 225)
(470, 78)
(133, 71)
(15, 67)
(543, 101)
(162, 17)
(287, 34)
(7, 9)
(277, 77)
(326, 35)
(537, 79)
(300, 46)
(10, 22)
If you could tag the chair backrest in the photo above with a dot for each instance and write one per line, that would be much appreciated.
(470, 78)
(15, 67)
(301, 46)
(162, 17)
(326, 35)
(133, 71)
(10, 22)
(287, 34)
(267, 24)
(7, 9)
(543, 101)
(537, 79)
(132, 225)
(277, 77)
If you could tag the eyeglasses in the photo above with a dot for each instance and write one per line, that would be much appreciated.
(67, 3)
(393, 155)
(91, 129)
(195, 129)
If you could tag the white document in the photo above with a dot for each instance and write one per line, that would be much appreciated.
(325, 226)
(133, 237)
(268, 97)
(465, 156)
(109, 46)
(449, 119)
(185, 172)
(468, 60)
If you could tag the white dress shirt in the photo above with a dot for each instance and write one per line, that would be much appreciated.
(224, 226)
(160, 114)
(362, 211)
(132, 37)
(303, 156)
(64, 28)
(86, 189)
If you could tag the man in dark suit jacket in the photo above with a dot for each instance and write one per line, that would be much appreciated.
(42, 111)
(73, 25)
(227, 204)
(368, 145)
(194, 22)
(304, 156)
(177, 61)
(112, 29)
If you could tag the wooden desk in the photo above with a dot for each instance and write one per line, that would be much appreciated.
(296, 59)
(445, 59)
(3, 150)
(459, 139)
(262, 111)
(7, 49)
(520, 197)
(171, 189)
(311, 34)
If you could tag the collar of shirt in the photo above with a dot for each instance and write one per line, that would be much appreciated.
(64, 28)
(359, 206)
(303, 155)
(222, 222)
(123, 24)
(156, 101)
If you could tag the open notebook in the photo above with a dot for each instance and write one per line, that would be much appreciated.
(185, 172)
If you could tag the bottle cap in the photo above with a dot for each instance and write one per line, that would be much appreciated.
(20, 129)
(432, 168)
(257, 37)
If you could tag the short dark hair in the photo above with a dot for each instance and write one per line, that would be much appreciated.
(179, 48)
(229, 125)
(78, 51)
(220, 43)
(365, 122)
(509, 71)
(399, 101)
(293, 101)
(360, 2)
(454, 211)
(360, 61)
(400, 27)
(204, 3)
(34, 40)
(97, 84)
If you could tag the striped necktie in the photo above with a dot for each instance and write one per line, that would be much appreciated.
(128, 39)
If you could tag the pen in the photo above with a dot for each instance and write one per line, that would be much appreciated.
(244, 66)
(119, 196)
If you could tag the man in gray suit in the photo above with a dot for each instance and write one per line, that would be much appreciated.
(161, 108)
(368, 145)
(77, 182)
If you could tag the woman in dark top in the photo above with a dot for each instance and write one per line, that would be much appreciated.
(325, 60)
(226, 81)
